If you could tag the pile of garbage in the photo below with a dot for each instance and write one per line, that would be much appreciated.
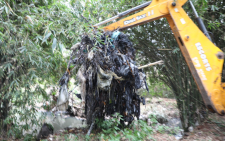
(108, 75)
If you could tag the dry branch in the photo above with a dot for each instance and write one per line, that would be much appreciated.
(151, 64)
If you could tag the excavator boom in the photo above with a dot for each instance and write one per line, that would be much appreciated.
(204, 59)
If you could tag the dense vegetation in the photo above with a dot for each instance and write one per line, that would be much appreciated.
(33, 37)
(35, 33)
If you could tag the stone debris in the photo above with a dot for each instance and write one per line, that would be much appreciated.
(191, 129)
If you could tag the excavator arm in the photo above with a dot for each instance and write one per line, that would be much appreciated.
(204, 59)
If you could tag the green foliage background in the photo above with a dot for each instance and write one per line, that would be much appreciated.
(33, 35)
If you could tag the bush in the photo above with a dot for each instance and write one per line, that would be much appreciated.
(138, 130)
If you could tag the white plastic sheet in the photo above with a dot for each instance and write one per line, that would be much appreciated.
(63, 99)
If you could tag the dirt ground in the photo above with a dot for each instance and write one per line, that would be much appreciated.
(213, 129)
(207, 131)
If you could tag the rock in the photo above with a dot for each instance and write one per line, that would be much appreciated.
(161, 119)
(196, 123)
(50, 137)
(45, 131)
(173, 114)
(190, 129)
(149, 122)
(157, 110)
(143, 117)
(178, 136)
(174, 122)
(186, 133)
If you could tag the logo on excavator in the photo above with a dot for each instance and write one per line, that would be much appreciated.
(203, 56)
(139, 17)
(133, 20)
(129, 21)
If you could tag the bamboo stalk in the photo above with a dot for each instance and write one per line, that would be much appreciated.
(151, 64)
(164, 49)
(11, 8)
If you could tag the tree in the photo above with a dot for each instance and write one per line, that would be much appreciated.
(33, 35)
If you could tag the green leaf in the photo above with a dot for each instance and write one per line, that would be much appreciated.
(46, 37)
(11, 73)
(61, 47)
(54, 44)
(116, 128)
(22, 49)
(6, 10)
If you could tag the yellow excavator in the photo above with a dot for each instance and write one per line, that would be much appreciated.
(204, 59)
